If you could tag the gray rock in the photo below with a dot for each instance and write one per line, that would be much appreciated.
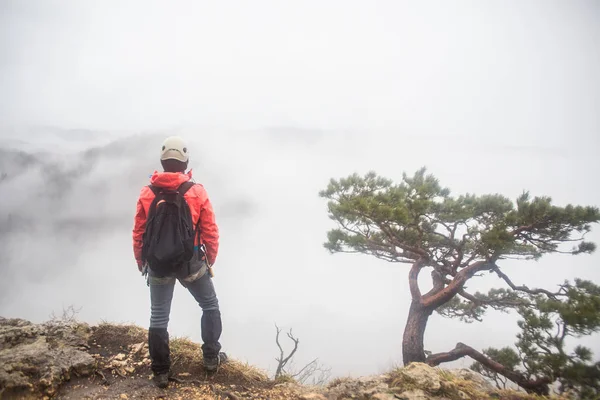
(312, 396)
(423, 376)
(384, 396)
(482, 383)
(38, 358)
(361, 388)
(416, 394)
(463, 395)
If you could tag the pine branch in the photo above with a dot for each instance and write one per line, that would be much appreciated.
(539, 386)
(455, 286)
(523, 288)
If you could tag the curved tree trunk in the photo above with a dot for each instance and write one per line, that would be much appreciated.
(538, 386)
(421, 307)
(412, 342)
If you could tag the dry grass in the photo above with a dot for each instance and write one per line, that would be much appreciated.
(455, 388)
(401, 383)
(285, 379)
(514, 395)
(244, 372)
(188, 353)
(452, 386)
(128, 333)
(186, 357)
(184, 351)
(338, 381)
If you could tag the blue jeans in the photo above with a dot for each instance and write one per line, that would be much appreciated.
(161, 295)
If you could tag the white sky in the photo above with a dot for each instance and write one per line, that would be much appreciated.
(275, 99)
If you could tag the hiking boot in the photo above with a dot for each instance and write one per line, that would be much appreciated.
(161, 380)
(211, 364)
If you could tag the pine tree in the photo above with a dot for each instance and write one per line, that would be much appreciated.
(418, 222)
(546, 324)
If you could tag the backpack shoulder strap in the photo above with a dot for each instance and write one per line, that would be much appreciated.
(154, 189)
(184, 187)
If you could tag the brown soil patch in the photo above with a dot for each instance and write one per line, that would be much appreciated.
(124, 372)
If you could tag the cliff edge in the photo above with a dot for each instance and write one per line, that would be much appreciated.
(68, 359)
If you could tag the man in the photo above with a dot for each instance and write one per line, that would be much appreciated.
(193, 268)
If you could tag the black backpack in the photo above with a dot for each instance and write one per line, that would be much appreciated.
(168, 240)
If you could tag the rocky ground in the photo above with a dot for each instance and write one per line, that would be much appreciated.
(72, 360)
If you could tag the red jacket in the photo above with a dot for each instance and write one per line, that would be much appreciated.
(199, 204)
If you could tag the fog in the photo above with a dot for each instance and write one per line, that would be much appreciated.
(276, 98)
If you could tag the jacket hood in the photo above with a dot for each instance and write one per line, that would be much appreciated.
(169, 180)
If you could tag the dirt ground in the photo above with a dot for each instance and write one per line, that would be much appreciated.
(75, 361)
(139, 387)
(124, 372)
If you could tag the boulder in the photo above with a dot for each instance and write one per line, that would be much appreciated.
(312, 396)
(481, 382)
(384, 396)
(38, 358)
(360, 388)
(415, 394)
(422, 376)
